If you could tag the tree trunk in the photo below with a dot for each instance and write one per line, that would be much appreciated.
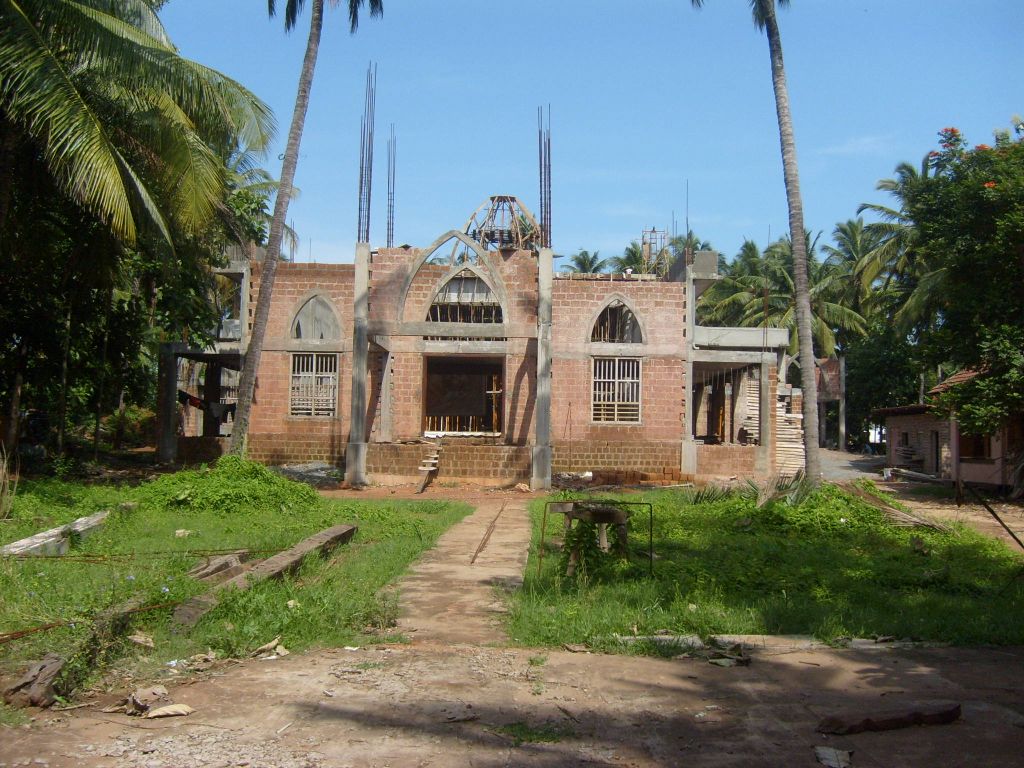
(122, 406)
(808, 382)
(247, 383)
(14, 413)
(62, 402)
(102, 376)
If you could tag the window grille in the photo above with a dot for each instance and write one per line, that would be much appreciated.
(616, 389)
(314, 390)
(617, 324)
(464, 299)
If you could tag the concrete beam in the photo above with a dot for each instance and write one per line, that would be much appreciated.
(465, 347)
(740, 338)
(739, 358)
(461, 330)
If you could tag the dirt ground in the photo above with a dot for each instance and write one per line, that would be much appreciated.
(442, 701)
(423, 705)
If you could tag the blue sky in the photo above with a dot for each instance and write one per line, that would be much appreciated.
(644, 96)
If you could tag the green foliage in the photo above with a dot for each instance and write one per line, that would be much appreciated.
(335, 600)
(996, 396)
(233, 485)
(881, 371)
(828, 565)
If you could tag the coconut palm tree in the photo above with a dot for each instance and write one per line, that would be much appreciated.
(763, 294)
(765, 19)
(119, 118)
(585, 262)
(634, 259)
(247, 382)
(911, 283)
(852, 255)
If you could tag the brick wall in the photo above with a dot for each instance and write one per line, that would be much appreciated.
(633, 456)
(489, 463)
(275, 436)
(920, 440)
(660, 309)
(726, 460)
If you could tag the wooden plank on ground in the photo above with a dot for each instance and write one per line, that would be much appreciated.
(190, 612)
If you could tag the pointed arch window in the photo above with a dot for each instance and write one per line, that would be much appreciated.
(316, 321)
(617, 324)
(466, 298)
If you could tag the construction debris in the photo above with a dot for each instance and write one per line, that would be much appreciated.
(35, 687)
(832, 757)
(888, 720)
(190, 612)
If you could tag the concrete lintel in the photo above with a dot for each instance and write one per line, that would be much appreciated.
(308, 345)
(460, 330)
(647, 351)
(465, 347)
(741, 338)
(731, 356)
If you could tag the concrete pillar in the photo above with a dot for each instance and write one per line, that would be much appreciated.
(766, 437)
(688, 450)
(167, 402)
(211, 394)
(541, 465)
(842, 403)
(355, 453)
(386, 427)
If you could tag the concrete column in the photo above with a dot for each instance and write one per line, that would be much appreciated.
(842, 403)
(167, 402)
(386, 427)
(355, 454)
(766, 438)
(541, 473)
(688, 452)
(211, 394)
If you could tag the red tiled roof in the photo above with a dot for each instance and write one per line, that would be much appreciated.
(952, 381)
(902, 410)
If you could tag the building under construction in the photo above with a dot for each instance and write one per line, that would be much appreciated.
(475, 343)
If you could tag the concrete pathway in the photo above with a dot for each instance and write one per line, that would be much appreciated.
(449, 594)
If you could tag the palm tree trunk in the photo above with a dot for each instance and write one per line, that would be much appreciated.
(102, 375)
(62, 402)
(247, 382)
(14, 412)
(808, 382)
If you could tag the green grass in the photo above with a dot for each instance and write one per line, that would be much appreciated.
(831, 566)
(46, 503)
(338, 600)
(523, 733)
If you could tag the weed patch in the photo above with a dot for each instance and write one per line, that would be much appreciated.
(523, 733)
(828, 565)
(143, 553)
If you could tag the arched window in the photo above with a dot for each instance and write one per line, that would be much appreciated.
(465, 299)
(617, 324)
(316, 321)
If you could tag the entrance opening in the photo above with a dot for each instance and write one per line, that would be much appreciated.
(463, 396)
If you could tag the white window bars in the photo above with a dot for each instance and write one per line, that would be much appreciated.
(314, 388)
(616, 390)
